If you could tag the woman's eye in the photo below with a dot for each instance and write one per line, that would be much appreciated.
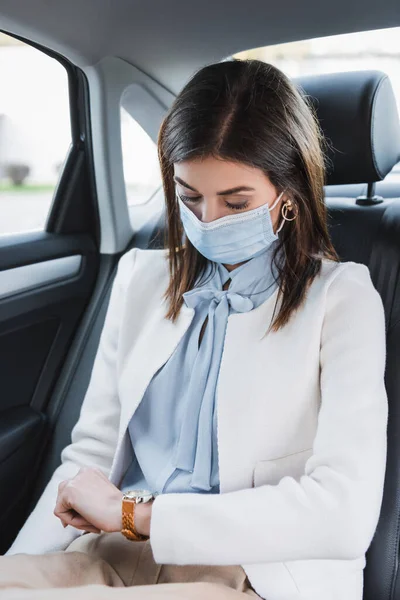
(194, 200)
(188, 199)
(237, 206)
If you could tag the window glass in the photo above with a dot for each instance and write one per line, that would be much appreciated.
(379, 49)
(140, 160)
(35, 134)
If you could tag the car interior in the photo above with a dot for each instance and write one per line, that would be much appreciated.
(55, 282)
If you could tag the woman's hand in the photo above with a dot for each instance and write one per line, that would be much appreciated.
(89, 501)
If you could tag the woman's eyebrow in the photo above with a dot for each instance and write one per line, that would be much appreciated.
(240, 188)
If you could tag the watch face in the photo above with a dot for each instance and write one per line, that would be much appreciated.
(140, 495)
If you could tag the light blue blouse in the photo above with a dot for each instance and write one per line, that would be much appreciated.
(174, 429)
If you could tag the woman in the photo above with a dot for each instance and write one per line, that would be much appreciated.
(239, 376)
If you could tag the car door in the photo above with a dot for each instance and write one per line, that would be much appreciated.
(49, 257)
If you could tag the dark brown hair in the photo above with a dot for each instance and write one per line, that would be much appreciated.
(250, 112)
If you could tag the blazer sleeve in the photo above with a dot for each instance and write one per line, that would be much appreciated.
(332, 510)
(94, 436)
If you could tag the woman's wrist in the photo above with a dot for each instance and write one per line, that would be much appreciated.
(117, 512)
(142, 515)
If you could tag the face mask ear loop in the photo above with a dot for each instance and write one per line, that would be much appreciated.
(276, 201)
(273, 206)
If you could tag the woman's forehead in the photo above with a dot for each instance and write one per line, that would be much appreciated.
(216, 175)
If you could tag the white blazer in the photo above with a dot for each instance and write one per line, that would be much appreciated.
(302, 417)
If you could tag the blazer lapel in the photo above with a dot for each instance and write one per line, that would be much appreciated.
(157, 342)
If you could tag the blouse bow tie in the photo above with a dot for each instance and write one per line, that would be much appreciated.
(239, 303)
(194, 447)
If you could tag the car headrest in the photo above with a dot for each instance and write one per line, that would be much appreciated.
(358, 115)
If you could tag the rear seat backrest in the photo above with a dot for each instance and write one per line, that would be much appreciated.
(358, 115)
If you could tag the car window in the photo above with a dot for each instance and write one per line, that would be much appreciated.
(365, 50)
(35, 134)
(140, 161)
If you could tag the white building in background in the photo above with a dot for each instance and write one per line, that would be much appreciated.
(34, 108)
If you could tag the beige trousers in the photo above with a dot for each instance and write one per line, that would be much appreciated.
(107, 566)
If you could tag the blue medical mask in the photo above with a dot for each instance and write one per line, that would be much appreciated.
(234, 238)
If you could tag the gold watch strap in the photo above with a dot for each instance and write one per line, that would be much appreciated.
(128, 521)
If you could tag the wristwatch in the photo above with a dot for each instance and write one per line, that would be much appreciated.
(130, 498)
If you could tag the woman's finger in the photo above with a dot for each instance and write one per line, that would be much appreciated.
(82, 523)
(62, 485)
(76, 520)
(61, 508)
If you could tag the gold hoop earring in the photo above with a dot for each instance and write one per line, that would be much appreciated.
(288, 205)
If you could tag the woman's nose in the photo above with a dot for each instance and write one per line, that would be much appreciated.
(210, 213)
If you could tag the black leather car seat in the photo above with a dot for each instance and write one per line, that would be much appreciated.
(358, 114)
